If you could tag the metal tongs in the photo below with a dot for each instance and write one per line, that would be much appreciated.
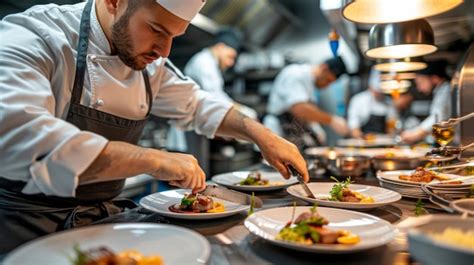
(446, 153)
(300, 179)
(453, 121)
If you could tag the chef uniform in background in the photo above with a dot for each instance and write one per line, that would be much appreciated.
(370, 110)
(295, 85)
(431, 80)
(75, 96)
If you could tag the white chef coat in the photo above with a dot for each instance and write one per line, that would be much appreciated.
(37, 63)
(364, 104)
(294, 84)
(203, 68)
(440, 108)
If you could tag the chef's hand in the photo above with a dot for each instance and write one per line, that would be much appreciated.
(181, 170)
(339, 125)
(280, 153)
(413, 136)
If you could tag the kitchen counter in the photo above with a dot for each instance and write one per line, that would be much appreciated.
(233, 244)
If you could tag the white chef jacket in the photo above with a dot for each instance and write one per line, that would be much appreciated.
(364, 104)
(440, 108)
(203, 68)
(294, 84)
(37, 63)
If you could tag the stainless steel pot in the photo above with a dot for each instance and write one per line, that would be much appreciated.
(396, 163)
(348, 165)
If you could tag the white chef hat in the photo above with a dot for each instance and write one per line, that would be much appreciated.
(374, 80)
(185, 9)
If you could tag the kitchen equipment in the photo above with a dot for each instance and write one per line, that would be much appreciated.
(428, 250)
(231, 195)
(298, 176)
(348, 165)
(446, 153)
(386, 163)
(453, 121)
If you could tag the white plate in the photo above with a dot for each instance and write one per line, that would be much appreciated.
(393, 176)
(378, 141)
(232, 179)
(373, 231)
(161, 201)
(370, 152)
(149, 239)
(321, 191)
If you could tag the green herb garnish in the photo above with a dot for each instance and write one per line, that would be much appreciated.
(187, 201)
(252, 202)
(419, 208)
(80, 258)
(337, 190)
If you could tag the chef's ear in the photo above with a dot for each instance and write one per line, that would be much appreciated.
(113, 5)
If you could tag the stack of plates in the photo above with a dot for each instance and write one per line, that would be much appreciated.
(410, 189)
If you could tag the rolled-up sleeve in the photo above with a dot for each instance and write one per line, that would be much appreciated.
(37, 146)
(187, 106)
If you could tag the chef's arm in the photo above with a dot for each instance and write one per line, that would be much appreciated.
(308, 112)
(276, 150)
(119, 160)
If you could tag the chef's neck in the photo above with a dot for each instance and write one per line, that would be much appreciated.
(106, 14)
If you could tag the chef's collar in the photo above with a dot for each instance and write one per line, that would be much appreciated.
(97, 34)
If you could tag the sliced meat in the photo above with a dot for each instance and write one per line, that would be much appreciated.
(202, 203)
(326, 236)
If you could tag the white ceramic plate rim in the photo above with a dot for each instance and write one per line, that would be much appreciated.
(150, 203)
(390, 176)
(321, 248)
(297, 191)
(201, 241)
(223, 179)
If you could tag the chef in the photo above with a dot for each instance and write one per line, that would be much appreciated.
(292, 107)
(78, 83)
(370, 110)
(431, 80)
(207, 66)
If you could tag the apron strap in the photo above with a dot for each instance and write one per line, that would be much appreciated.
(148, 90)
(82, 54)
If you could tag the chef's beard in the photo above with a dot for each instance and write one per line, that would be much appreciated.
(122, 42)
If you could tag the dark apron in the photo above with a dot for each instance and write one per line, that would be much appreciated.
(297, 132)
(25, 217)
(375, 124)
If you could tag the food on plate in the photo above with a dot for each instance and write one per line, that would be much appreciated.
(341, 192)
(426, 176)
(197, 203)
(455, 236)
(105, 256)
(308, 229)
(254, 179)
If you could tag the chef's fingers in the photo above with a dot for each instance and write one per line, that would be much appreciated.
(282, 169)
(174, 183)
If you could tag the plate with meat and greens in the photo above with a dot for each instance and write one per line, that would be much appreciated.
(344, 194)
(253, 180)
(320, 230)
(183, 204)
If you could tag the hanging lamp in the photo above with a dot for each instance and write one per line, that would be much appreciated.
(390, 11)
(401, 40)
(400, 65)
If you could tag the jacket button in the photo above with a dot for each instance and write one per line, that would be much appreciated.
(99, 103)
(93, 58)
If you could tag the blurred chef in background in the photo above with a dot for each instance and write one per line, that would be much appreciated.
(208, 66)
(431, 80)
(371, 111)
(292, 107)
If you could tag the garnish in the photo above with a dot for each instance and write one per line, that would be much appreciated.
(337, 190)
(419, 208)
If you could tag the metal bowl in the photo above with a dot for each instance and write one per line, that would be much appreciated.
(348, 165)
(396, 163)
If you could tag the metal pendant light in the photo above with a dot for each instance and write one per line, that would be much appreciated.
(400, 40)
(400, 65)
(389, 11)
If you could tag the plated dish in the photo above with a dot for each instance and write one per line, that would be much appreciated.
(422, 176)
(180, 204)
(105, 256)
(253, 180)
(346, 195)
(311, 228)
(371, 231)
(149, 240)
